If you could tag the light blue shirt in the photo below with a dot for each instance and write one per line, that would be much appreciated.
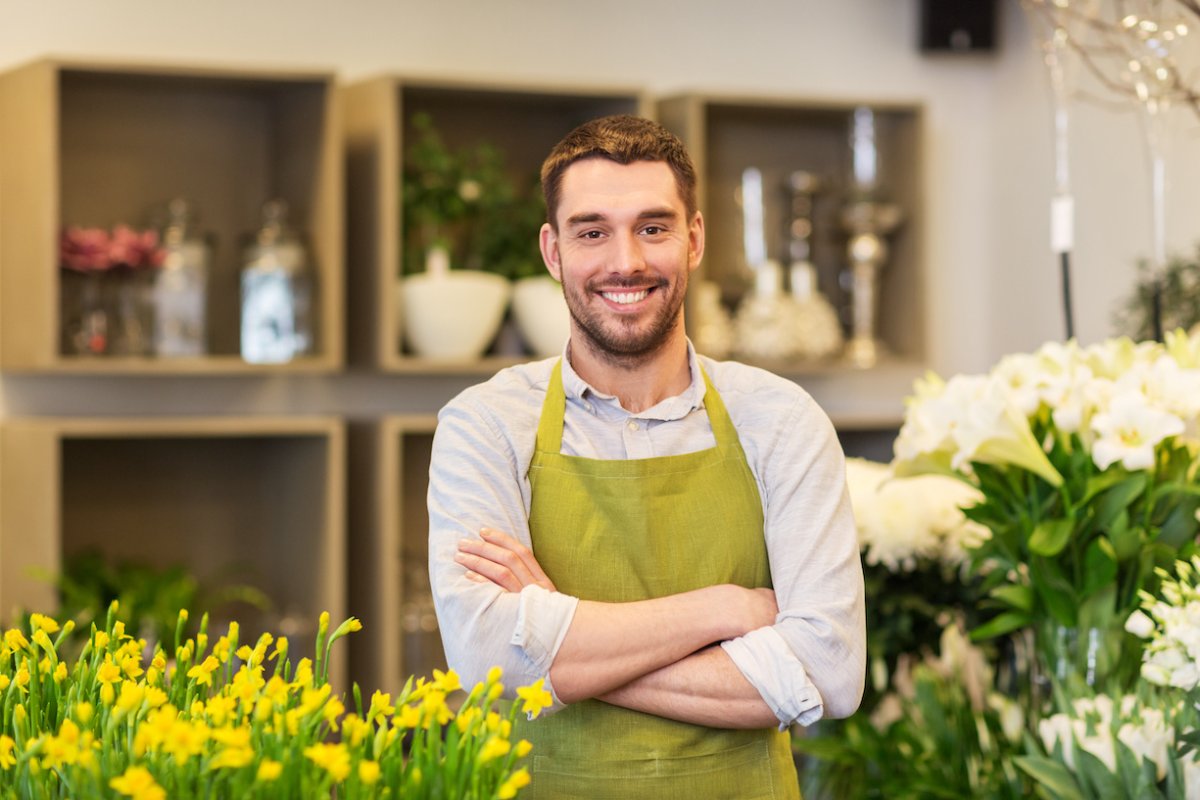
(811, 662)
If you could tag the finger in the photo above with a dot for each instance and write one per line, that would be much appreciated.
(524, 553)
(490, 570)
(472, 575)
(501, 555)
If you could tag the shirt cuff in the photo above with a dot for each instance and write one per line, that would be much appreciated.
(543, 618)
(771, 667)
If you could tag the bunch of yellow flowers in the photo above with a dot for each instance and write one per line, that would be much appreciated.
(236, 720)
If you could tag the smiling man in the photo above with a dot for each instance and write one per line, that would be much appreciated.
(666, 539)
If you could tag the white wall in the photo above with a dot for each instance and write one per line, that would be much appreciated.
(993, 286)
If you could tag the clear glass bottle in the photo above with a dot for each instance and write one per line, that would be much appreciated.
(277, 292)
(181, 286)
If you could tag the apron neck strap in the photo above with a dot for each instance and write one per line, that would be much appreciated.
(550, 426)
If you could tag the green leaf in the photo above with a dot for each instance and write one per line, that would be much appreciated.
(1099, 566)
(1096, 775)
(1051, 536)
(1053, 776)
(1181, 524)
(1099, 483)
(1020, 598)
(1126, 540)
(1117, 499)
(1001, 624)
(1057, 594)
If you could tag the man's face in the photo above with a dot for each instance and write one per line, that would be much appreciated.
(623, 251)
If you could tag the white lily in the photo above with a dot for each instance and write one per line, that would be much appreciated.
(1129, 430)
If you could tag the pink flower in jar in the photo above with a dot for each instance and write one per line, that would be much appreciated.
(133, 249)
(85, 249)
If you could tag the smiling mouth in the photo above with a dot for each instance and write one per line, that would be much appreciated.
(625, 298)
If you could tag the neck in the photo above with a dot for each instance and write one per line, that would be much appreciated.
(638, 382)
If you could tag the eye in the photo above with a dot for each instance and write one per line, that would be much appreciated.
(654, 230)
(590, 235)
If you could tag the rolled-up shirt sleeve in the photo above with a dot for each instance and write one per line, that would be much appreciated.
(812, 661)
(475, 481)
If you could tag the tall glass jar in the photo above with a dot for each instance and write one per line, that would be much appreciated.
(181, 286)
(277, 292)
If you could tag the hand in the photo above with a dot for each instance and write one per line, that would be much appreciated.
(757, 608)
(498, 558)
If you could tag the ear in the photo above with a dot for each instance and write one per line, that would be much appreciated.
(695, 242)
(548, 242)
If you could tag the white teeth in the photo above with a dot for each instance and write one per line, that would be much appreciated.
(625, 298)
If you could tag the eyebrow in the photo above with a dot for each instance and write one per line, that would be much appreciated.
(588, 217)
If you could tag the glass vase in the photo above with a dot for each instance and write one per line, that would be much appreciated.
(87, 313)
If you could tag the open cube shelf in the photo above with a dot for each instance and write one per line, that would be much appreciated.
(97, 144)
(245, 501)
(524, 122)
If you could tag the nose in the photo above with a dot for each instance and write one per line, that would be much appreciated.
(629, 258)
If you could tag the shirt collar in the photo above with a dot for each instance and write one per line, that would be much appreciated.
(677, 407)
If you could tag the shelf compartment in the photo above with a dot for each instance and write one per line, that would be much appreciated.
(727, 134)
(261, 500)
(95, 144)
(389, 551)
(524, 121)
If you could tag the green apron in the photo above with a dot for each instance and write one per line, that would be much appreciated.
(626, 530)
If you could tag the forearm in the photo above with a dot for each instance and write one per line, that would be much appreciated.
(610, 644)
(705, 688)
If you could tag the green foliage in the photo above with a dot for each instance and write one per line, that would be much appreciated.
(470, 203)
(1180, 298)
(940, 746)
(148, 598)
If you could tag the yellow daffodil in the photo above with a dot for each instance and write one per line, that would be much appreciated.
(332, 711)
(333, 758)
(354, 729)
(84, 712)
(232, 758)
(202, 673)
(381, 704)
(132, 695)
(185, 739)
(409, 717)
(22, 679)
(281, 649)
(138, 783)
(4, 682)
(42, 622)
(304, 673)
(15, 639)
(523, 748)
(155, 697)
(7, 746)
(493, 748)
(536, 698)
(268, 770)
(513, 784)
(60, 672)
(100, 640)
(220, 708)
(119, 631)
(368, 772)
(466, 717)
(447, 682)
(494, 675)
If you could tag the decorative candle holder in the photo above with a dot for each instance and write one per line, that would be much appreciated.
(815, 325)
(868, 220)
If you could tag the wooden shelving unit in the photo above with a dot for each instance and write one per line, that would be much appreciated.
(263, 499)
(726, 134)
(389, 552)
(523, 121)
(96, 144)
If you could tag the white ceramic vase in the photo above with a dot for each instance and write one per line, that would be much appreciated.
(453, 314)
(541, 315)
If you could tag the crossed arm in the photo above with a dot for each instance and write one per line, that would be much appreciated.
(655, 656)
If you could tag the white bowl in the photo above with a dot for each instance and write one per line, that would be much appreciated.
(541, 314)
(453, 315)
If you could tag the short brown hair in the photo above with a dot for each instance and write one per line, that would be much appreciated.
(622, 138)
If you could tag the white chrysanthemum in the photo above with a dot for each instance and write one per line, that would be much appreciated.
(1129, 430)
(903, 520)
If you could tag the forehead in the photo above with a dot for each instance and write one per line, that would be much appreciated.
(598, 185)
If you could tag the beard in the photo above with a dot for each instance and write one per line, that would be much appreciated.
(625, 341)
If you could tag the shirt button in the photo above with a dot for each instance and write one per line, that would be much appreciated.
(633, 426)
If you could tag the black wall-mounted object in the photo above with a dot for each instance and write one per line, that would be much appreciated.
(958, 26)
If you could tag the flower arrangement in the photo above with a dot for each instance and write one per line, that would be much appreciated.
(90, 250)
(466, 203)
(1086, 460)
(1101, 748)
(238, 720)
